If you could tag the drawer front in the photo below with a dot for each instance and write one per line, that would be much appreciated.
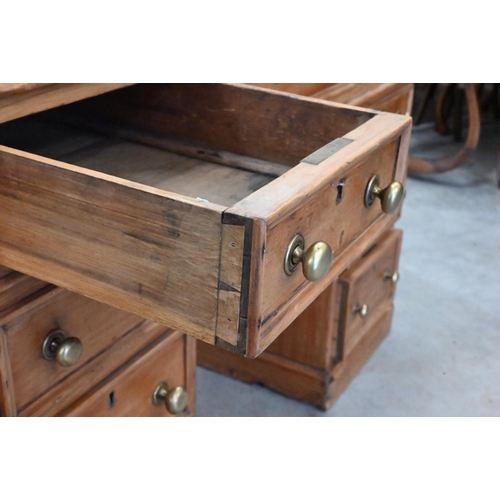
(368, 287)
(334, 213)
(108, 231)
(96, 325)
(129, 391)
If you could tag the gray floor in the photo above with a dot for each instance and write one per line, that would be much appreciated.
(442, 357)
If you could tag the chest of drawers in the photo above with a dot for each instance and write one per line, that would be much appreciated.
(179, 203)
(222, 211)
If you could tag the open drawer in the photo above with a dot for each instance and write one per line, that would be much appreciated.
(178, 202)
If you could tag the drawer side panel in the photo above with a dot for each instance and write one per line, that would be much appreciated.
(116, 241)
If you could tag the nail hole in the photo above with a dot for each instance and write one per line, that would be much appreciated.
(111, 399)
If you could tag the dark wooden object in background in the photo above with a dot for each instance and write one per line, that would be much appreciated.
(443, 110)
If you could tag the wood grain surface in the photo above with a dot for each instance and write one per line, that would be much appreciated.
(389, 97)
(95, 324)
(128, 392)
(15, 287)
(20, 99)
(289, 378)
(258, 123)
(364, 283)
(70, 389)
(312, 339)
(123, 243)
(304, 201)
(231, 270)
(119, 202)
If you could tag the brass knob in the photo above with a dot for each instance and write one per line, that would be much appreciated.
(66, 351)
(362, 310)
(316, 260)
(175, 400)
(390, 197)
(394, 277)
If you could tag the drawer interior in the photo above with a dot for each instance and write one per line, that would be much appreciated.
(219, 184)
(210, 142)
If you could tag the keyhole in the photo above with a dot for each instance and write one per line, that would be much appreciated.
(111, 399)
(340, 190)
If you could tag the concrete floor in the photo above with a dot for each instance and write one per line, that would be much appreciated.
(442, 357)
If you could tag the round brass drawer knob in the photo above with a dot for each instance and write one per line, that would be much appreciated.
(362, 310)
(394, 277)
(316, 260)
(390, 197)
(175, 400)
(66, 351)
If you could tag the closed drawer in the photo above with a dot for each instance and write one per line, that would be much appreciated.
(24, 329)
(178, 202)
(368, 289)
(130, 391)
